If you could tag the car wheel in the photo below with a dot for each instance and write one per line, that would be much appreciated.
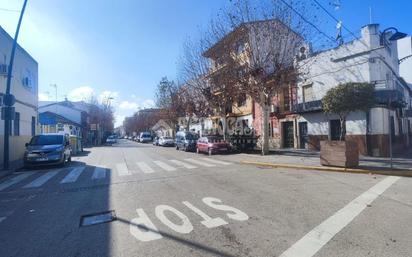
(209, 151)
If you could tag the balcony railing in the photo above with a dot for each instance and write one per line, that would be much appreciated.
(311, 106)
(393, 96)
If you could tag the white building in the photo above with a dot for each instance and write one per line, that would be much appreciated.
(24, 87)
(405, 58)
(374, 59)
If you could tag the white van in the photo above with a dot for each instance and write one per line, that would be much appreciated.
(145, 137)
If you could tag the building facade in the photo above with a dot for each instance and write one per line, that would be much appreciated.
(373, 59)
(24, 86)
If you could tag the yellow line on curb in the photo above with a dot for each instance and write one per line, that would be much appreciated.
(401, 173)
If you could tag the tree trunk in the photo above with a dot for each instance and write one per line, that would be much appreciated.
(188, 123)
(265, 126)
(343, 128)
(224, 123)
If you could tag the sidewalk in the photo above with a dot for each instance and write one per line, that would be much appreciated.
(304, 159)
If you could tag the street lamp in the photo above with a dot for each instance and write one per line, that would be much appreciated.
(9, 99)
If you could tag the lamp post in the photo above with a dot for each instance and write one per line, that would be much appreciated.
(395, 36)
(9, 100)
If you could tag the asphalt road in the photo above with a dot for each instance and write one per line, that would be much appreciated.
(165, 202)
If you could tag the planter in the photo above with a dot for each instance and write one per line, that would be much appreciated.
(339, 153)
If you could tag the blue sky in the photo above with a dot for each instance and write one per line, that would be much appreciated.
(122, 48)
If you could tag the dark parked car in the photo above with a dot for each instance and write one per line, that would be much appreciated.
(47, 149)
(212, 144)
(186, 141)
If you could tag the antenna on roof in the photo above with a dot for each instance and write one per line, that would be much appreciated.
(370, 14)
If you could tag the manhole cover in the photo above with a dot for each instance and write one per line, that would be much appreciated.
(97, 218)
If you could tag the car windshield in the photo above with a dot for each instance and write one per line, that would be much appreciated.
(47, 140)
(167, 138)
(111, 137)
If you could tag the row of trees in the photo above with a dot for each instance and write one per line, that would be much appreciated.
(246, 49)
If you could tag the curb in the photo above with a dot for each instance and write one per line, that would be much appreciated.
(400, 173)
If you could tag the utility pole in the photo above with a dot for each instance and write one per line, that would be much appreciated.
(9, 99)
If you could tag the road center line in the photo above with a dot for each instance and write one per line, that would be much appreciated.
(313, 241)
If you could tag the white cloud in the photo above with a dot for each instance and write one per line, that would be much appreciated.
(112, 95)
(148, 103)
(81, 94)
(119, 120)
(44, 97)
(126, 105)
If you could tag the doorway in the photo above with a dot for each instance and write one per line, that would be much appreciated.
(303, 135)
(288, 136)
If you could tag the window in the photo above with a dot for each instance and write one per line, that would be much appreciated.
(308, 95)
(335, 129)
(286, 99)
(16, 125)
(241, 100)
(33, 126)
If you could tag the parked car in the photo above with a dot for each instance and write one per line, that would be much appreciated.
(145, 137)
(166, 141)
(47, 149)
(111, 140)
(212, 145)
(186, 140)
(156, 141)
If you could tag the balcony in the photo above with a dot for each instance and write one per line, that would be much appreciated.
(386, 96)
(312, 106)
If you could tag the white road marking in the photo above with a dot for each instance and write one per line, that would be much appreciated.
(183, 226)
(164, 166)
(38, 182)
(14, 180)
(313, 241)
(183, 164)
(207, 220)
(216, 161)
(99, 173)
(2, 218)
(122, 169)
(198, 162)
(144, 167)
(73, 175)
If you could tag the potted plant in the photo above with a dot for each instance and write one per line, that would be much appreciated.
(342, 100)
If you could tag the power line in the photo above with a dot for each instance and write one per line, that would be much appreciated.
(334, 18)
(308, 22)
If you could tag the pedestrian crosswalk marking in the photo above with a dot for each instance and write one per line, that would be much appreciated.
(144, 167)
(38, 182)
(14, 180)
(73, 175)
(122, 169)
(202, 163)
(164, 166)
(183, 164)
(216, 161)
(99, 173)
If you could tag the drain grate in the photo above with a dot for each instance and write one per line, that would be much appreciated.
(97, 218)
